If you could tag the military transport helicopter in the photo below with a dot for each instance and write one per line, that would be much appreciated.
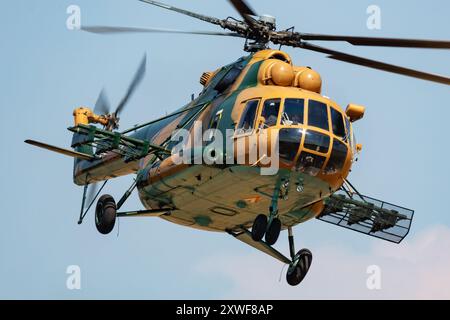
(258, 93)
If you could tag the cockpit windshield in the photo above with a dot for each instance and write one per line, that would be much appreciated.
(318, 115)
(293, 112)
(317, 140)
(270, 112)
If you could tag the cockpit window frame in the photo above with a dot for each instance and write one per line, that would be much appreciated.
(240, 133)
(262, 105)
(343, 123)
(307, 110)
(302, 124)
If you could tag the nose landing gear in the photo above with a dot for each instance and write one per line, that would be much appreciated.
(259, 227)
(273, 231)
(270, 226)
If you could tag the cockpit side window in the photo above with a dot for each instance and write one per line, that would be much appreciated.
(247, 122)
(228, 79)
(270, 112)
(318, 115)
(348, 134)
(337, 123)
(293, 112)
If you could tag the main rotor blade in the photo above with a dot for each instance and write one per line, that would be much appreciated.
(134, 84)
(185, 12)
(242, 7)
(102, 105)
(245, 11)
(118, 30)
(375, 64)
(381, 42)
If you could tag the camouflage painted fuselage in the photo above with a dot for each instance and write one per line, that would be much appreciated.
(222, 197)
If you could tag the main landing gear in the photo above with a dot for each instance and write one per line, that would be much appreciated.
(105, 214)
(299, 266)
(270, 227)
(106, 208)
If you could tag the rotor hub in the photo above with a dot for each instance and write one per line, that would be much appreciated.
(268, 20)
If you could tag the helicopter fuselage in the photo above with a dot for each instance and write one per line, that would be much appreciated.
(257, 96)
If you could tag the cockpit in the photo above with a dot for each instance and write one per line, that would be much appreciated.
(314, 136)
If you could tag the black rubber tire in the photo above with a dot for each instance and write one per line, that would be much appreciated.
(296, 274)
(105, 214)
(259, 227)
(273, 232)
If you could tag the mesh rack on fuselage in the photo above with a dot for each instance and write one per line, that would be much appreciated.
(367, 215)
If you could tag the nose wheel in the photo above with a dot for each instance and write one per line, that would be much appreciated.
(273, 231)
(269, 227)
(262, 229)
(259, 227)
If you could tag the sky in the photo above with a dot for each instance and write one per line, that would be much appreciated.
(48, 70)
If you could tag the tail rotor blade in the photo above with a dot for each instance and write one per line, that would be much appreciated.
(134, 84)
(102, 105)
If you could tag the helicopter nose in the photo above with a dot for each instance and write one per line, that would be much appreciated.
(311, 156)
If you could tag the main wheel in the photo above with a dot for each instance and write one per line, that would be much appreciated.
(297, 271)
(259, 227)
(105, 214)
(273, 232)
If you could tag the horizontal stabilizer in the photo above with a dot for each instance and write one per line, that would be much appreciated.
(367, 215)
(245, 236)
(66, 152)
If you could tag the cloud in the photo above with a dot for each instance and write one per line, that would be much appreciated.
(416, 269)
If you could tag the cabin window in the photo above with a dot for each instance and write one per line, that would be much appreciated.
(247, 122)
(270, 112)
(337, 158)
(318, 115)
(317, 141)
(293, 112)
(337, 123)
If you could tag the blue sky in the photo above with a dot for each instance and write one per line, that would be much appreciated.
(48, 70)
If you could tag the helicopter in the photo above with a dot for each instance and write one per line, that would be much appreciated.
(272, 152)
